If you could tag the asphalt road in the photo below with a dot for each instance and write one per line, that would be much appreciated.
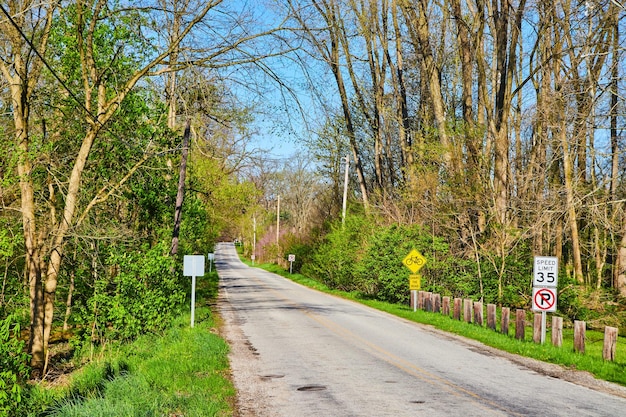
(311, 354)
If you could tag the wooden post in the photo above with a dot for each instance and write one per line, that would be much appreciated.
(580, 328)
(537, 328)
(420, 300)
(557, 331)
(467, 310)
(504, 320)
(457, 309)
(428, 302)
(436, 299)
(610, 342)
(478, 313)
(520, 323)
(491, 316)
(445, 306)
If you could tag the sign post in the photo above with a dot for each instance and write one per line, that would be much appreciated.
(291, 259)
(545, 280)
(193, 266)
(414, 261)
(211, 257)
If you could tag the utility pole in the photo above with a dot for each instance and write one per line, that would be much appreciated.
(181, 189)
(345, 191)
(278, 221)
(253, 238)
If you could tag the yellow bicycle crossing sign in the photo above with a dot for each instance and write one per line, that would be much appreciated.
(414, 261)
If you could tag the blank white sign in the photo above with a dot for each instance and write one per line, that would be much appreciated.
(193, 265)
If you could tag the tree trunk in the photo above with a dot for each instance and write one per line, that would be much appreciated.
(404, 126)
(419, 30)
(170, 90)
(620, 276)
(22, 71)
(506, 58)
(333, 16)
(572, 218)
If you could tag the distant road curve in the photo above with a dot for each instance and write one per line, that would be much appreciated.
(298, 352)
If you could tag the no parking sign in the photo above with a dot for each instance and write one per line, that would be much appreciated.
(544, 299)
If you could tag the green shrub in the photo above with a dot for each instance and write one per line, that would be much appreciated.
(143, 293)
(14, 369)
(334, 263)
(511, 274)
(383, 276)
(570, 299)
(302, 250)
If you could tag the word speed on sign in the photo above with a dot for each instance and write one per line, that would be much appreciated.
(545, 271)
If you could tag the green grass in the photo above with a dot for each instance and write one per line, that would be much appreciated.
(184, 372)
(591, 361)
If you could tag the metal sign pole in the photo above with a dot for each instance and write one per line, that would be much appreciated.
(193, 299)
(543, 327)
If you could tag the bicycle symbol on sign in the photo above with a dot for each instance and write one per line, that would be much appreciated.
(414, 261)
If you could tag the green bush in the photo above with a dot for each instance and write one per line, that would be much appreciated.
(334, 263)
(143, 293)
(368, 259)
(512, 274)
(302, 250)
(383, 276)
(570, 299)
(14, 369)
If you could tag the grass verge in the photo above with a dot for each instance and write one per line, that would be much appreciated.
(591, 361)
(183, 372)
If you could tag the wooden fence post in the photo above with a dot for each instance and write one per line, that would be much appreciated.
(610, 342)
(491, 316)
(428, 302)
(504, 320)
(478, 313)
(537, 328)
(557, 331)
(457, 309)
(445, 306)
(520, 323)
(580, 328)
(420, 300)
(467, 310)
(436, 299)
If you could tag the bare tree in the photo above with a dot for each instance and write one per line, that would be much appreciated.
(329, 48)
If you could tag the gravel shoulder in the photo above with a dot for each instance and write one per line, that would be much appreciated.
(253, 397)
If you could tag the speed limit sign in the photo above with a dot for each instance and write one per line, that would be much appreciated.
(545, 271)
